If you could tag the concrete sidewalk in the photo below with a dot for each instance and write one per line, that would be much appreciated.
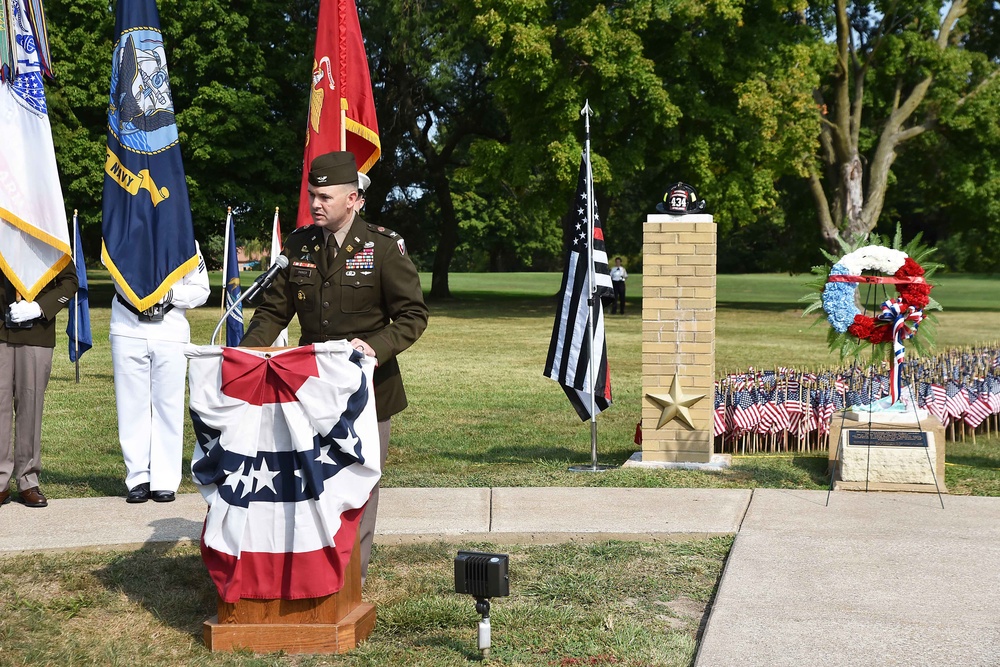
(870, 578)
(503, 515)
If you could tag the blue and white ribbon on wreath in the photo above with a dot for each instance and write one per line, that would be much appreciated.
(892, 312)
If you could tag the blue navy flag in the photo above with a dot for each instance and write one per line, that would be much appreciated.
(148, 235)
(231, 293)
(78, 326)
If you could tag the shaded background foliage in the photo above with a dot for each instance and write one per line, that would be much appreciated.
(478, 104)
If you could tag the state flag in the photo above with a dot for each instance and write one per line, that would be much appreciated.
(78, 324)
(231, 291)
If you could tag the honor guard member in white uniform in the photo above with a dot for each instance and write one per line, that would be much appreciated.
(348, 280)
(147, 350)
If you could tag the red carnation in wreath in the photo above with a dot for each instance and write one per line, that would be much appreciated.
(913, 294)
(917, 295)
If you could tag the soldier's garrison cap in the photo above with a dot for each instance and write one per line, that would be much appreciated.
(333, 168)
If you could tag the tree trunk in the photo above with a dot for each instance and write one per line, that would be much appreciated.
(448, 239)
(852, 194)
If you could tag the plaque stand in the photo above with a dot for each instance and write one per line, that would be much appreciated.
(889, 458)
(334, 623)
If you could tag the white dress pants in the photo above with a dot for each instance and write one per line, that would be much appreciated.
(149, 391)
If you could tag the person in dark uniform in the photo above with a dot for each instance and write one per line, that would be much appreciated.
(27, 339)
(347, 279)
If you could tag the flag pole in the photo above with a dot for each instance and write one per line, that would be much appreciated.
(225, 257)
(587, 112)
(342, 47)
(76, 303)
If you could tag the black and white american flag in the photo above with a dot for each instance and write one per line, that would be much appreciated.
(568, 360)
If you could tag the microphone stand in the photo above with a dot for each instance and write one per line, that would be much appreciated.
(231, 308)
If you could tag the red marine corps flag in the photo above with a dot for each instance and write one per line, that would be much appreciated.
(341, 107)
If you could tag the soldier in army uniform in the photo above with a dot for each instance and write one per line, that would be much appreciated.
(347, 279)
(27, 339)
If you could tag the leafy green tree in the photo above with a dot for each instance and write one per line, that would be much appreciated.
(899, 70)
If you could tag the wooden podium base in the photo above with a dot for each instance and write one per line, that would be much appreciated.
(292, 637)
(331, 624)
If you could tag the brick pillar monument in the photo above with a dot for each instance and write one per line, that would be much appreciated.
(678, 340)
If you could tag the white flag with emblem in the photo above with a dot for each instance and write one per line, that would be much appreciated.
(34, 234)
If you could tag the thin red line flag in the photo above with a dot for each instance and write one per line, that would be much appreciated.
(568, 360)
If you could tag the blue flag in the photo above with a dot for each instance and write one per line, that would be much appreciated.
(148, 234)
(234, 323)
(78, 326)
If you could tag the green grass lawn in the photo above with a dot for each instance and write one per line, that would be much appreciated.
(608, 603)
(482, 414)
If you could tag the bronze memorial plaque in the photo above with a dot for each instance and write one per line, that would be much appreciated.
(882, 438)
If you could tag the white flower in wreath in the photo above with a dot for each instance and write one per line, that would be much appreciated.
(840, 299)
(873, 258)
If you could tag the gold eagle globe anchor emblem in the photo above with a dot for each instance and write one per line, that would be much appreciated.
(321, 70)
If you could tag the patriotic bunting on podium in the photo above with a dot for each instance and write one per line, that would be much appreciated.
(287, 455)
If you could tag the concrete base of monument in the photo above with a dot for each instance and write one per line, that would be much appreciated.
(717, 463)
(887, 454)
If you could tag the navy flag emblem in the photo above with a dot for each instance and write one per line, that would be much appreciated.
(148, 234)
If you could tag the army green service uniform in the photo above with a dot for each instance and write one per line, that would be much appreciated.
(25, 366)
(369, 291)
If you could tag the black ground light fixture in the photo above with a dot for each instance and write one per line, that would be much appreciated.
(482, 576)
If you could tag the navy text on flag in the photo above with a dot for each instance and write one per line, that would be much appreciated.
(148, 235)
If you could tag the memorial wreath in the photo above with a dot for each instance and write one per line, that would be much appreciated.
(897, 318)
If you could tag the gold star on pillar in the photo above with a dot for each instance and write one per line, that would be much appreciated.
(675, 404)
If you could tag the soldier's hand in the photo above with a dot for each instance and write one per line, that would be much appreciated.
(23, 311)
(363, 347)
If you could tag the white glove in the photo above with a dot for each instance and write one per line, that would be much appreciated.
(168, 297)
(23, 311)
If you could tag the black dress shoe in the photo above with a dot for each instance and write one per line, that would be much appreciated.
(162, 496)
(4, 497)
(138, 493)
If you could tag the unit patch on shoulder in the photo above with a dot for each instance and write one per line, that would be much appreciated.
(382, 230)
(401, 245)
